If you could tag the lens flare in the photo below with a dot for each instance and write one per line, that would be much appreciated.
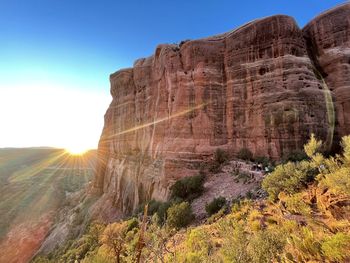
(76, 150)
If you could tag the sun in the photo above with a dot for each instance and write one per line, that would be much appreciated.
(77, 145)
(77, 150)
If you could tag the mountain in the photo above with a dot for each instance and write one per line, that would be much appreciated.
(35, 184)
(212, 152)
(261, 88)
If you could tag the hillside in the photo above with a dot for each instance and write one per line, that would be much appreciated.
(230, 148)
(35, 184)
(306, 218)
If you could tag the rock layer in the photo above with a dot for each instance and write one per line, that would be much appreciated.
(328, 39)
(256, 87)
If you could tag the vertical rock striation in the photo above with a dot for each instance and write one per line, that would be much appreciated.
(328, 39)
(255, 87)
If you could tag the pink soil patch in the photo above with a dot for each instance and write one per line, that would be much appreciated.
(23, 241)
(223, 184)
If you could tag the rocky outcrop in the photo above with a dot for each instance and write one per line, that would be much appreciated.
(256, 87)
(328, 41)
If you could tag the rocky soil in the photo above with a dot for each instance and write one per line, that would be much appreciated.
(235, 180)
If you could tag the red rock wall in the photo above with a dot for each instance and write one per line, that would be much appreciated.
(328, 39)
(253, 87)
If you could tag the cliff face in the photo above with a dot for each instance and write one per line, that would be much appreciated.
(328, 40)
(259, 87)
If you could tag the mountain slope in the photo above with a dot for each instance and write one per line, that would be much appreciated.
(35, 184)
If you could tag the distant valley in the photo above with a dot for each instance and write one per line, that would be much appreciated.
(34, 184)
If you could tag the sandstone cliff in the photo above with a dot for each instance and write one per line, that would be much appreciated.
(328, 42)
(264, 86)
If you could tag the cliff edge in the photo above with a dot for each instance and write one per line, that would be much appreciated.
(265, 86)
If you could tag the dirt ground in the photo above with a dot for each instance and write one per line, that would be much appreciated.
(235, 180)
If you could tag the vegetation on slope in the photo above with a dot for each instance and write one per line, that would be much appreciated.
(305, 219)
(35, 184)
(36, 180)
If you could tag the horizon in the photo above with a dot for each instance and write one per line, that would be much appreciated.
(57, 57)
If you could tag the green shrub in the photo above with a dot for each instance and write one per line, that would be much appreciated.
(249, 195)
(215, 217)
(289, 177)
(293, 177)
(295, 156)
(245, 154)
(337, 248)
(295, 204)
(265, 161)
(188, 188)
(214, 206)
(220, 156)
(198, 247)
(132, 223)
(153, 206)
(266, 246)
(179, 215)
(235, 242)
(156, 207)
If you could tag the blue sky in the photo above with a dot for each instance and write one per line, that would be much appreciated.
(74, 44)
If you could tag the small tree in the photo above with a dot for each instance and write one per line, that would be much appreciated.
(266, 246)
(199, 247)
(156, 240)
(245, 154)
(114, 237)
(312, 147)
(214, 206)
(188, 188)
(265, 161)
(179, 215)
(220, 156)
(295, 156)
(289, 177)
(293, 177)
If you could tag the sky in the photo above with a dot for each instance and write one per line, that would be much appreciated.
(56, 56)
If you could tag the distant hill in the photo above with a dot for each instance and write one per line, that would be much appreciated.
(34, 184)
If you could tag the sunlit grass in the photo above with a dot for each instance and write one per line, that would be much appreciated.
(36, 181)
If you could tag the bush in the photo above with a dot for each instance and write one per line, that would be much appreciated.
(214, 206)
(132, 223)
(198, 247)
(337, 248)
(249, 195)
(293, 177)
(114, 238)
(245, 154)
(266, 246)
(155, 207)
(188, 188)
(295, 156)
(265, 161)
(220, 156)
(290, 178)
(179, 215)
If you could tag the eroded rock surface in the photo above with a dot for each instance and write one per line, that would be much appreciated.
(328, 39)
(256, 87)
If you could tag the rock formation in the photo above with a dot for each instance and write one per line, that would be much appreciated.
(264, 86)
(328, 42)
